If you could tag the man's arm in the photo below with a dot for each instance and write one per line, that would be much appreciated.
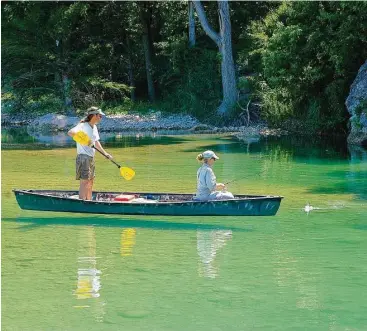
(98, 145)
(73, 131)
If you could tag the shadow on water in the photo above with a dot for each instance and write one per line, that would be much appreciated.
(138, 140)
(348, 174)
(298, 149)
(353, 182)
(362, 227)
(341, 188)
(32, 223)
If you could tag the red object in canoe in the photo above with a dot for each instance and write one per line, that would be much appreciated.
(124, 197)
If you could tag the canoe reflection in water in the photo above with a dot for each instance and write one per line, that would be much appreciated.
(208, 244)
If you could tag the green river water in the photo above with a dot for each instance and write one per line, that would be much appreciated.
(292, 271)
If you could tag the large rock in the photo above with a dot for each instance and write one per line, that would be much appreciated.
(53, 122)
(357, 107)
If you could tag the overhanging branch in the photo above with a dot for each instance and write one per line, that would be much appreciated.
(205, 24)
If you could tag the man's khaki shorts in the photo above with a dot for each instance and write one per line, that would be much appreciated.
(84, 167)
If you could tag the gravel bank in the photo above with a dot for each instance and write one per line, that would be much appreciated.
(154, 121)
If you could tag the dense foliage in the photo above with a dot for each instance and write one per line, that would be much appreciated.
(308, 54)
(65, 56)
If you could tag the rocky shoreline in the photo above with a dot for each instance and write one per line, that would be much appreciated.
(153, 121)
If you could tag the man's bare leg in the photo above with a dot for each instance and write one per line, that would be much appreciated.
(90, 189)
(83, 189)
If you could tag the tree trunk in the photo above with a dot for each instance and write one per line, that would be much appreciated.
(130, 70)
(147, 53)
(192, 40)
(148, 68)
(224, 43)
(228, 71)
(68, 103)
(110, 71)
(63, 80)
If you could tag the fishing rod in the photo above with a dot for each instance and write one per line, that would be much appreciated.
(236, 179)
(233, 180)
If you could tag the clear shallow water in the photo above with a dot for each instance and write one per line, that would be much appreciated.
(294, 271)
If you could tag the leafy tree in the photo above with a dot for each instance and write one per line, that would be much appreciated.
(309, 54)
(61, 52)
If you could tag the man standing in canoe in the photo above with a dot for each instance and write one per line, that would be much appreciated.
(85, 152)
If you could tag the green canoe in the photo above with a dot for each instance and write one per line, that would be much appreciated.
(146, 204)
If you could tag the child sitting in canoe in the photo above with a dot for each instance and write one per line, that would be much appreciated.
(207, 186)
